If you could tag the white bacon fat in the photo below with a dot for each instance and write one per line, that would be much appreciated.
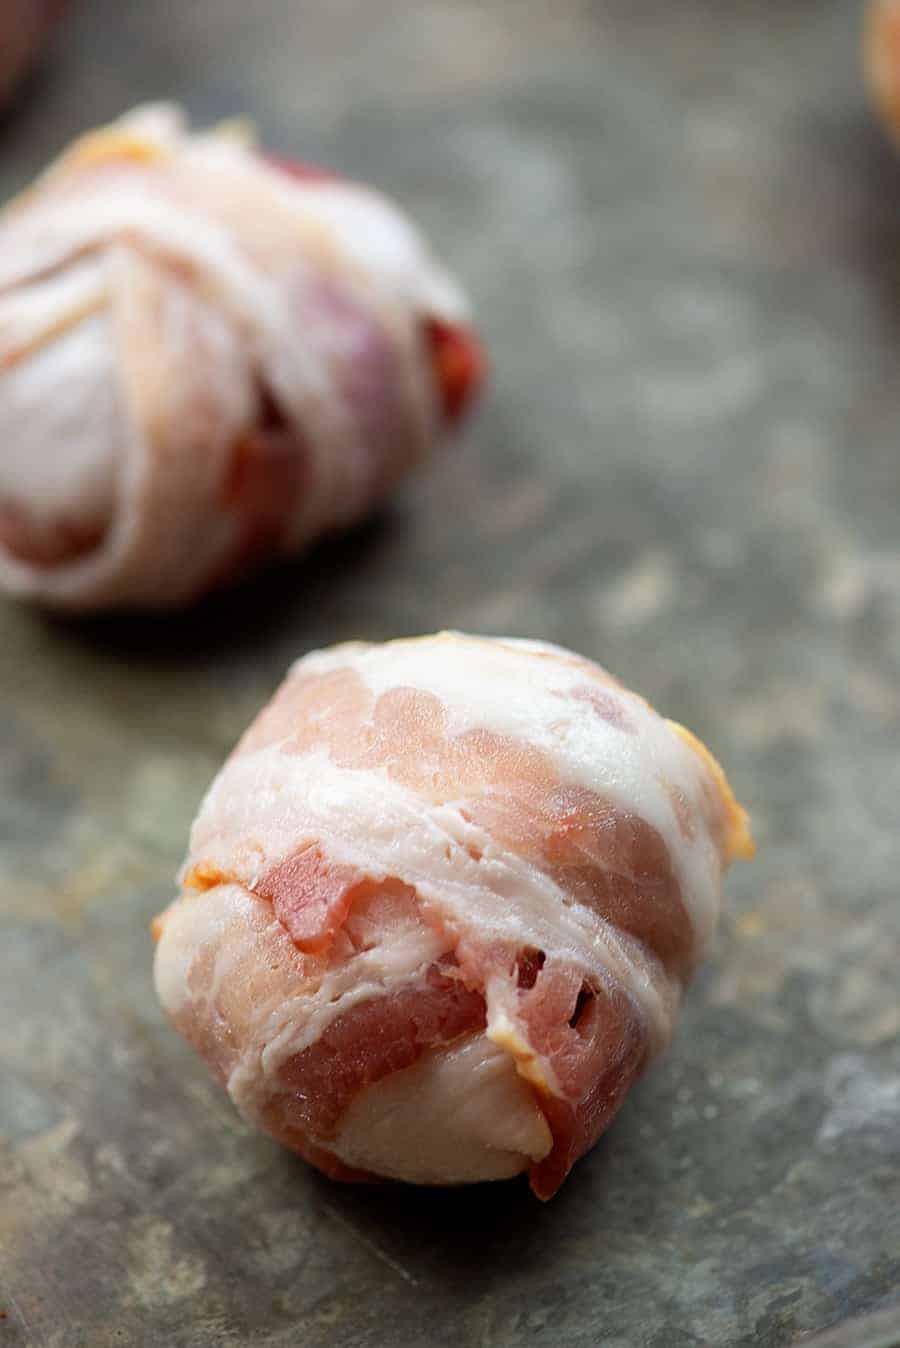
(206, 357)
(440, 906)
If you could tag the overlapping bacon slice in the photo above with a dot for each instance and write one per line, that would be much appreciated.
(441, 904)
(206, 357)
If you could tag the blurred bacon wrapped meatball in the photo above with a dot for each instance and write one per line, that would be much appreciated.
(207, 358)
(441, 904)
(882, 60)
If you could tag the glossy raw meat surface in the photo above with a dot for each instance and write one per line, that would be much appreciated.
(209, 358)
(446, 843)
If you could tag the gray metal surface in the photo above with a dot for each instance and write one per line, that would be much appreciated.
(682, 232)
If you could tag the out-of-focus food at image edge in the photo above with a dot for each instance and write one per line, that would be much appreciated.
(881, 54)
(208, 358)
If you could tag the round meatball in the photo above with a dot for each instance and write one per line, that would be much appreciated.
(441, 904)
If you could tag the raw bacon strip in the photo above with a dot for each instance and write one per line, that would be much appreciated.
(310, 897)
(243, 354)
(592, 1038)
(441, 905)
(459, 365)
(378, 1037)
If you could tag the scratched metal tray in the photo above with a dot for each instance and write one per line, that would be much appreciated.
(681, 229)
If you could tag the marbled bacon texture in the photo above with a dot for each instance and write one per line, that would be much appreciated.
(207, 357)
(441, 904)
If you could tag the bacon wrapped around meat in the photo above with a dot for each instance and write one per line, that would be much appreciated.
(207, 357)
(441, 904)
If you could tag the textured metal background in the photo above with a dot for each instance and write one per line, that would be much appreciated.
(682, 232)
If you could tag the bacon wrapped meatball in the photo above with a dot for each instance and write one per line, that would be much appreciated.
(441, 904)
(206, 358)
